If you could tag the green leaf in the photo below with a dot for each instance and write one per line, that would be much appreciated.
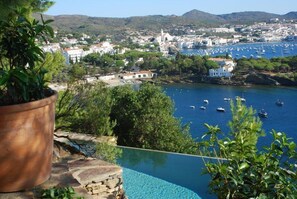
(52, 193)
(23, 77)
(244, 166)
(4, 76)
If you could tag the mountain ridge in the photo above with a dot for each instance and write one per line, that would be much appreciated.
(193, 19)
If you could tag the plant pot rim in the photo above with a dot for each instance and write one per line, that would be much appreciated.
(29, 105)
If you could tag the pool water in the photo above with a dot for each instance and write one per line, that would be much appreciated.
(152, 174)
(138, 185)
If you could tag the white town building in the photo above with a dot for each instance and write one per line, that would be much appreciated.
(53, 47)
(137, 75)
(73, 54)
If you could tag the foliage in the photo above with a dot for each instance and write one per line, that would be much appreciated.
(59, 193)
(77, 72)
(85, 108)
(108, 152)
(140, 118)
(7, 7)
(145, 119)
(181, 64)
(54, 63)
(280, 64)
(21, 71)
(245, 172)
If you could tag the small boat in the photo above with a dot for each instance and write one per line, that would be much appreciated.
(263, 113)
(193, 107)
(220, 109)
(279, 103)
(227, 99)
(202, 107)
(241, 99)
(205, 101)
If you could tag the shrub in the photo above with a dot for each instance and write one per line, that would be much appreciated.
(245, 171)
(59, 193)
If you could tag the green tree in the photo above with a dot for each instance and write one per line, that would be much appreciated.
(145, 119)
(85, 108)
(245, 171)
(8, 7)
(211, 64)
(77, 72)
(54, 63)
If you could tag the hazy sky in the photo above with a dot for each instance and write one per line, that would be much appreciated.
(127, 8)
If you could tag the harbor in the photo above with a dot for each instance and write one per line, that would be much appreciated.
(248, 50)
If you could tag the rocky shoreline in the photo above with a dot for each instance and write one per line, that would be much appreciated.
(244, 80)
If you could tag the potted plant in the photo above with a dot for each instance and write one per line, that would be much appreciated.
(27, 105)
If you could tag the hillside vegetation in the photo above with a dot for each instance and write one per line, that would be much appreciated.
(153, 23)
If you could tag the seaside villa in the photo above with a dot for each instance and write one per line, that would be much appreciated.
(225, 69)
(137, 75)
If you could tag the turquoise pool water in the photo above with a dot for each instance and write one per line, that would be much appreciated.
(138, 185)
(159, 175)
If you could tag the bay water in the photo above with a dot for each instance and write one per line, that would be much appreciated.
(280, 118)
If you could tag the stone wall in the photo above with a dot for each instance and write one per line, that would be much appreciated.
(95, 178)
(99, 178)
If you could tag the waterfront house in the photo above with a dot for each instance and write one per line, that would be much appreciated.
(137, 75)
(225, 69)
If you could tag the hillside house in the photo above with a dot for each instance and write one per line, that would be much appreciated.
(225, 69)
(73, 55)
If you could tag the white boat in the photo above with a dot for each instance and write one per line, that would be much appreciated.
(227, 99)
(220, 109)
(193, 107)
(241, 99)
(205, 101)
(202, 107)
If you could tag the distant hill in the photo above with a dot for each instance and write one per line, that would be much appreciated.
(193, 19)
(248, 17)
(290, 15)
(100, 25)
(203, 16)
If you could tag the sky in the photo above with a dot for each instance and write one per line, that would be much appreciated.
(127, 8)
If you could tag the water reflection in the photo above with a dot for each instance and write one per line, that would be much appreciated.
(134, 157)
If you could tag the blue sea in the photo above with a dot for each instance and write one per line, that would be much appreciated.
(283, 119)
(250, 50)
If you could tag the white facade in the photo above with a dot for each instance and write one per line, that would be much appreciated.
(137, 75)
(73, 55)
(220, 72)
(229, 30)
(51, 47)
(225, 70)
(102, 48)
(219, 41)
(164, 37)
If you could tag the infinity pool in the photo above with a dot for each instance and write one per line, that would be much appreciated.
(159, 175)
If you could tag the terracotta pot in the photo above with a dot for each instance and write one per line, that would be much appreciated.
(26, 144)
